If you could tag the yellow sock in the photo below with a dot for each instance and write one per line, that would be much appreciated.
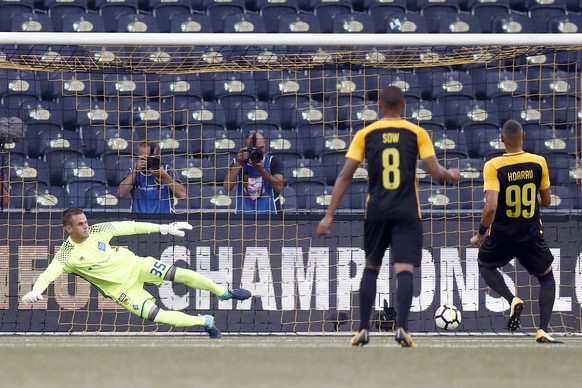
(194, 280)
(178, 319)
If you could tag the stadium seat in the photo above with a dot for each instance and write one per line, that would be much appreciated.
(288, 200)
(272, 11)
(56, 147)
(312, 136)
(20, 84)
(171, 142)
(149, 114)
(84, 169)
(112, 11)
(83, 23)
(318, 198)
(471, 197)
(360, 115)
(216, 198)
(564, 24)
(77, 192)
(343, 83)
(512, 23)
(206, 113)
(484, 141)
(561, 199)
(58, 9)
(299, 23)
(452, 85)
(327, 11)
(31, 22)
(428, 114)
(191, 23)
(333, 162)
(218, 10)
(380, 10)
(313, 113)
(544, 9)
(101, 198)
(101, 140)
(434, 197)
(226, 141)
(564, 169)
(450, 144)
(499, 85)
(287, 105)
(459, 23)
(221, 161)
(550, 141)
(243, 22)
(354, 23)
(97, 112)
(471, 170)
(285, 145)
(175, 86)
(165, 11)
(532, 115)
(194, 170)
(11, 9)
(489, 8)
(466, 114)
(120, 85)
(303, 170)
(24, 194)
(201, 140)
(117, 167)
(44, 198)
(23, 169)
(402, 23)
(407, 81)
(258, 113)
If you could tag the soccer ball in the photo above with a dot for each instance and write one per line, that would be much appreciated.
(447, 317)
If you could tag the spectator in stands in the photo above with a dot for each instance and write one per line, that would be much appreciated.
(392, 147)
(152, 184)
(258, 177)
(516, 184)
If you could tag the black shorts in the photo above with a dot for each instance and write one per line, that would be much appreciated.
(404, 237)
(534, 254)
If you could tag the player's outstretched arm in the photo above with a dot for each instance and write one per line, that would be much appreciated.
(32, 297)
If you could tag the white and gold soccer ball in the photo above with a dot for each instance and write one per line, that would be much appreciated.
(447, 317)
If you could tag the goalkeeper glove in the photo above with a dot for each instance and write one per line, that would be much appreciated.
(32, 297)
(175, 228)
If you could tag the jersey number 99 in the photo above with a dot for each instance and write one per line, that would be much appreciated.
(520, 201)
(391, 168)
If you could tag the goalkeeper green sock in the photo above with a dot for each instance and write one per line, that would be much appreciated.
(195, 280)
(178, 319)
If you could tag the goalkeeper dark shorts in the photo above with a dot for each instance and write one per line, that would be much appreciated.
(403, 236)
(534, 255)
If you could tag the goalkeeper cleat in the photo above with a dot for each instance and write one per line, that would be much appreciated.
(240, 294)
(211, 328)
(514, 321)
(544, 338)
(404, 338)
(361, 339)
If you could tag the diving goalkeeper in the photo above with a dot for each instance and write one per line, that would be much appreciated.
(120, 275)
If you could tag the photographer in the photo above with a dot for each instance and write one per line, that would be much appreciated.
(152, 184)
(258, 177)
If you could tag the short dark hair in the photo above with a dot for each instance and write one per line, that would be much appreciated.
(512, 130)
(391, 97)
(69, 213)
(152, 145)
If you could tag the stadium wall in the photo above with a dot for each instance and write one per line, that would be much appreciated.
(301, 283)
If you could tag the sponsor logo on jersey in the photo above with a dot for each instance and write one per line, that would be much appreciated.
(124, 299)
(101, 246)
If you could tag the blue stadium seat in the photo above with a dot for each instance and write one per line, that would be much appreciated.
(563, 24)
(380, 10)
(43, 112)
(77, 192)
(303, 177)
(102, 140)
(206, 113)
(317, 199)
(31, 22)
(550, 141)
(354, 23)
(258, 113)
(171, 142)
(452, 85)
(465, 114)
(433, 11)
(194, 170)
(176, 85)
(289, 83)
(23, 169)
(288, 200)
(544, 9)
(532, 114)
(117, 167)
(343, 83)
(459, 23)
(564, 169)
(23, 194)
(327, 11)
(11, 9)
(218, 10)
(149, 114)
(137, 24)
(512, 23)
(111, 11)
(333, 162)
(471, 197)
(450, 144)
(312, 136)
(285, 145)
(243, 22)
(102, 198)
(300, 23)
(56, 147)
(407, 81)
(43, 198)
(95, 112)
(489, 8)
(165, 11)
(471, 170)
(434, 197)
(313, 113)
(119, 85)
(83, 23)
(191, 23)
(484, 141)
(360, 115)
(287, 105)
(216, 198)
(561, 199)
(402, 23)
(272, 11)
(428, 114)
(226, 141)
(19, 83)
(84, 169)
(499, 86)
(58, 9)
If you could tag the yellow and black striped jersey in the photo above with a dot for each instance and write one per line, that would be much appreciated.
(391, 147)
(517, 177)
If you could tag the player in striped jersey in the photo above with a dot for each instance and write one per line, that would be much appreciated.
(120, 275)
(516, 183)
(392, 147)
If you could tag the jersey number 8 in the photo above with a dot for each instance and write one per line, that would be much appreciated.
(391, 168)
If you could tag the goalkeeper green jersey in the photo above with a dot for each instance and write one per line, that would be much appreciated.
(109, 269)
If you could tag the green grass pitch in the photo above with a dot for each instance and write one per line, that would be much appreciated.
(285, 361)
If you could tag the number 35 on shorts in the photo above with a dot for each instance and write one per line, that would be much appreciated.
(158, 269)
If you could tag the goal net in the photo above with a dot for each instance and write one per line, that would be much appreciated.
(87, 101)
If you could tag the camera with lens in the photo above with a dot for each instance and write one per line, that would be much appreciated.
(153, 163)
(255, 153)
